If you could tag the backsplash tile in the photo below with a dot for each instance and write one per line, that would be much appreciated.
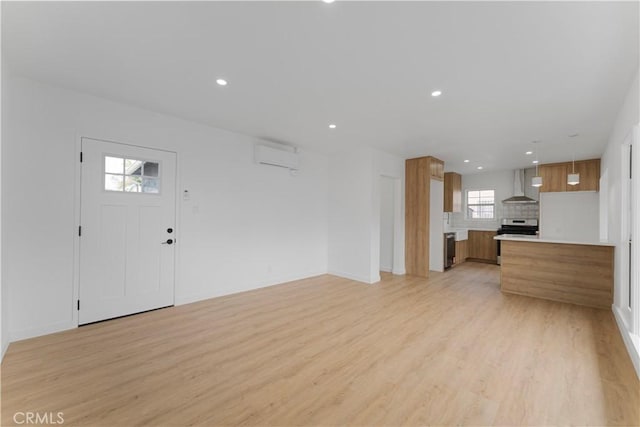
(525, 211)
(528, 211)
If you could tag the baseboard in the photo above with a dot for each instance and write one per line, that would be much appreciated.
(188, 299)
(631, 341)
(24, 334)
(355, 277)
(397, 272)
(5, 346)
(482, 261)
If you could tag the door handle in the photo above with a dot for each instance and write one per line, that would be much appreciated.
(168, 242)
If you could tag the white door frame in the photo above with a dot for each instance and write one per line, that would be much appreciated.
(635, 253)
(393, 224)
(398, 230)
(77, 207)
(623, 295)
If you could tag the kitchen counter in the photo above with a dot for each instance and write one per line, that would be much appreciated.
(540, 239)
(573, 272)
(483, 228)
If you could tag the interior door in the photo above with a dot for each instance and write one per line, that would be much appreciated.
(127, 234)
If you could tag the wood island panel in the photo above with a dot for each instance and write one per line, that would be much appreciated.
(577, 274)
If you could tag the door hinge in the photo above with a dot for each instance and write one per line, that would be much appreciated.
(81, 157)
(79, 230)
(78, 305)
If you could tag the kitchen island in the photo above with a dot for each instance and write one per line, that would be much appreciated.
(567, 271)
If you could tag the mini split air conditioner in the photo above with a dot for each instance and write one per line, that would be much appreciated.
(284, 157)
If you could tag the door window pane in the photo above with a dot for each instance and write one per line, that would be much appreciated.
(113, 182)
(150, 185)
(113, 165)
(150, 169)
(133, 167)
(131, 175)
(133, 184)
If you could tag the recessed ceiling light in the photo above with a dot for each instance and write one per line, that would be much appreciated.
(436, 93)
(528, 153)
(535, 162)
(466, 161)
(328, 1)
(332, 126)
(221, 82)
(480, 168)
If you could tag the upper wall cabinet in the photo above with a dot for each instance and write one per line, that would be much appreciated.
(437, 169)
(554, 176)
(589, 171)
(452, 192)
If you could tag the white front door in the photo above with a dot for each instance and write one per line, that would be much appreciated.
(127, 234)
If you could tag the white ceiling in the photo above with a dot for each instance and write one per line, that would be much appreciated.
(511, 72)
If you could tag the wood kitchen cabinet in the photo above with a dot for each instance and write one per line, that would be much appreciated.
(481, 246)
(554, 176)
(437, 168)
(452, 192)
(589, 171)
(462, 251)
(418, 175)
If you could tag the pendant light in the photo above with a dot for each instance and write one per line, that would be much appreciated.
(536, 181)
(573, 178)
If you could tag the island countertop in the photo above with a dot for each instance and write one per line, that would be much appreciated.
(542, 239)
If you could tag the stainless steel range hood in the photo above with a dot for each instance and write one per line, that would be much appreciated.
(518, 190)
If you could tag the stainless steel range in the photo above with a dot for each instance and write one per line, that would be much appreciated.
(517, 226)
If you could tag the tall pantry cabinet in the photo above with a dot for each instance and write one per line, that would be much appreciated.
(419, 173)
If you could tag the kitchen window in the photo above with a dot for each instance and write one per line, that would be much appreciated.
(481, 204)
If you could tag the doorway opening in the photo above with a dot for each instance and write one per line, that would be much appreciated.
(388, 252)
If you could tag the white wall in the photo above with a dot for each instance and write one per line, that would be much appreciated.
(4, 306)
(246, 225)
(350, 214)
(354, 212)
(387, 188)
(611, 164)
(570, 215)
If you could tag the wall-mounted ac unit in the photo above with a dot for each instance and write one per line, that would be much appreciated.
(284, 157)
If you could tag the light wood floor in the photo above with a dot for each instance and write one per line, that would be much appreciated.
(451, 350)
